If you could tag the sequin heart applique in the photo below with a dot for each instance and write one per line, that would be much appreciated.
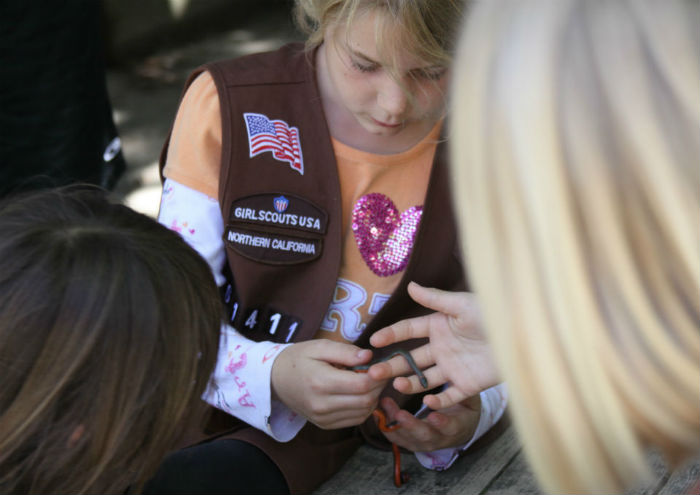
(384, 237)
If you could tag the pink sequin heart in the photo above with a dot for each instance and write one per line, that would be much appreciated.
(384, 237)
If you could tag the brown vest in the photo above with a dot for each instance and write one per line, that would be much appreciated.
(283, 239)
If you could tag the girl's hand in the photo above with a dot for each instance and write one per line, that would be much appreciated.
(440, 429)
(309, 378)
(457, 352)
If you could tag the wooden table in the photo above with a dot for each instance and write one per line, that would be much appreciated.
(496, 467)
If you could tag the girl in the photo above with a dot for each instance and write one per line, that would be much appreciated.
(314, 183)
(108, 333)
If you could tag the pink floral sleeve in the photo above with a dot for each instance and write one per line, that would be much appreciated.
(240, 384)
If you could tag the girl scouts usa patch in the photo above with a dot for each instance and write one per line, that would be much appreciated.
(276, 228)
(275, 136)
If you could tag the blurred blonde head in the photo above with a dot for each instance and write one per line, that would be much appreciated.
(576, 157)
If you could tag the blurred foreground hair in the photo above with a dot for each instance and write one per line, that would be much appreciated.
(575, 153)
(109, 328)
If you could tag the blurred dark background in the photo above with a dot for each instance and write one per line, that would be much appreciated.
(137, 28)
(150, 48)
(89, 88)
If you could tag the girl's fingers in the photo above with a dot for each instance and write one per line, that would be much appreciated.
(399, 365)
(447, 398)
(339, 353)
(412, 328)
(447, 302)
(412, 385)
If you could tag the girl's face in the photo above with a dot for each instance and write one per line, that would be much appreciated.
(353, 75)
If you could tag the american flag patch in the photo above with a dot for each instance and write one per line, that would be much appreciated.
(275, 136)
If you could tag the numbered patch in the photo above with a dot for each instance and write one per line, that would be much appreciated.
(264, 323)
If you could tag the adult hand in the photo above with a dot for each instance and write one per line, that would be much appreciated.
(449, 427)
(310, 378)
(457, 351)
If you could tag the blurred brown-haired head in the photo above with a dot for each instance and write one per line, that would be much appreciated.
(109, 328)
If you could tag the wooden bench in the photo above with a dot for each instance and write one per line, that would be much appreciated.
(497, 466)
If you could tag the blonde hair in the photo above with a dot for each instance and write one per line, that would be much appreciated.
(575, 152)
(429, 26)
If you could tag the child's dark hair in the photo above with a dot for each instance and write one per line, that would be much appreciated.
(109, 327)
